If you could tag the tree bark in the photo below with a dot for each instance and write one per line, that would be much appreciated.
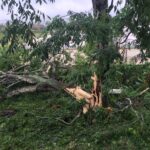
(27, 89)
(99, 6)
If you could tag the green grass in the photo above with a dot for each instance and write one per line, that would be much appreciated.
(34, 126)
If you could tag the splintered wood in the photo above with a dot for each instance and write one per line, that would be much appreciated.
(93, 99)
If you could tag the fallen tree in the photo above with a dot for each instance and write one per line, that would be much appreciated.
(16, 84)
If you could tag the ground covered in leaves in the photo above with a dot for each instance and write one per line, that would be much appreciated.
(30, 121)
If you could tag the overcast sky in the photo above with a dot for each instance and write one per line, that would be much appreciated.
(60, 7)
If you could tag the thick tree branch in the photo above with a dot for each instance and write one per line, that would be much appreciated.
(27, 89)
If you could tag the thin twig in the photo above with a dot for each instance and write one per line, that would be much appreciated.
(126, 107)
(73, 120)
(125, 38)
(21, 67)
(13, 84)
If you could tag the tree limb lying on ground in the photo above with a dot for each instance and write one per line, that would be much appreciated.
(16, 84)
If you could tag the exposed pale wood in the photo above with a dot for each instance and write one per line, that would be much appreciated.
(73, 120)
(93, 99)
(78, 93)
(144, 91)
(97, 90)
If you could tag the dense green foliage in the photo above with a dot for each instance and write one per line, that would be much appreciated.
(25, 10)
(23, 16)
(135, 18)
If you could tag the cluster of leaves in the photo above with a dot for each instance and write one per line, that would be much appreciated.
(135, 18)
(23, 16)
(25, 10)
(81, 28)
(78, 75)
(16, 33)
(131, 78)
(10, 61)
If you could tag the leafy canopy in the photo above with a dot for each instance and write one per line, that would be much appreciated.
(135, 17)
(23, 16)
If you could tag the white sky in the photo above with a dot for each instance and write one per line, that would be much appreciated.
(60, 7)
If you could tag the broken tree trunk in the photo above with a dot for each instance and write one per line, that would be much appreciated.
(93, 99)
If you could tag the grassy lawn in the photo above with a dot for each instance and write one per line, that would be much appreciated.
(33, 125)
